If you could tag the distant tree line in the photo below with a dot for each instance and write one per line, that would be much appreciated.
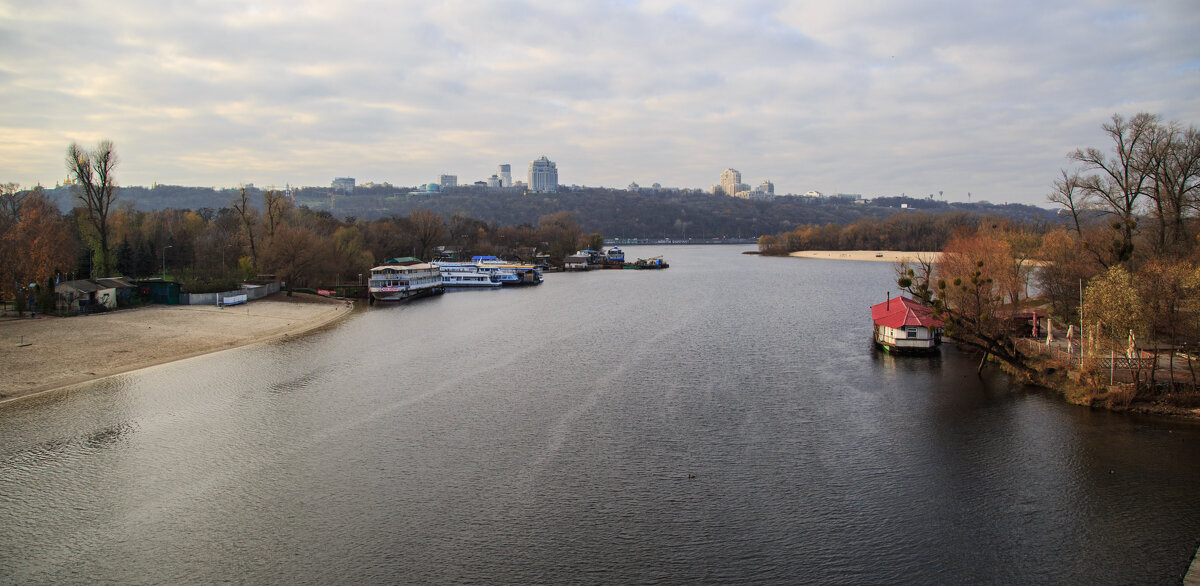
(614, 212)
(909, 230)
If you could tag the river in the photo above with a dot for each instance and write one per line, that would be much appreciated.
(724, 420)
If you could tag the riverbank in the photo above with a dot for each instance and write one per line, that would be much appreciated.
(869, 255)
(48, 353)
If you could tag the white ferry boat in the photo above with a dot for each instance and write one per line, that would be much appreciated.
(404, 278)
(465, 274)
(509, 273)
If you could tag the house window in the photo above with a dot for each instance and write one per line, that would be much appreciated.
(912, 332)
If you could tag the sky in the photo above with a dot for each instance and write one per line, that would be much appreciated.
(869, 97)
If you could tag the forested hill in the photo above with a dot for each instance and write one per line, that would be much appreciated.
(614, 213)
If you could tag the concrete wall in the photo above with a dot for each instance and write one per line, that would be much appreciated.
(211, 298)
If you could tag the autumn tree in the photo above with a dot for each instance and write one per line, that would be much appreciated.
(1113, 309)
(967, 289)
(96, 189)
(428, 230)
(593, 241)
(353, 256)
(297, 256)
(771, 245)
(36, 242)
(560, 232)
(1066, 266)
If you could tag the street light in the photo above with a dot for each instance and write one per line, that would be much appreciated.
(223, 258)
(165, 261)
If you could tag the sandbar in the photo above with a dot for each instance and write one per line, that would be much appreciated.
(47, 353)
(870, 255)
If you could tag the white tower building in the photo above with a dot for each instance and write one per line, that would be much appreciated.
(543, 176)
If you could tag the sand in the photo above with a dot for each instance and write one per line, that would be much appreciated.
(60, 352)
(869, 255)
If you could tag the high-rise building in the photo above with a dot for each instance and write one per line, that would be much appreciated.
(505, 175)
(543, 176)
(731, 181)
(345, 184)
(448, 181)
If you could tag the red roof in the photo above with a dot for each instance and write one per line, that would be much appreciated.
(902, 311)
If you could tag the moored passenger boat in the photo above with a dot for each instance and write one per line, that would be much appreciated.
(404, 278)
(465, 274)
(509, 273)
(903, 325)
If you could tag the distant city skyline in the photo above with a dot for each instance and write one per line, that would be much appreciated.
(909, 97)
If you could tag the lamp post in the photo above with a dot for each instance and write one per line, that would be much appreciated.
(223, 257)
(165, 261)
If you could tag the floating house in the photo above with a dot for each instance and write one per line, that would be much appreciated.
(903, 325)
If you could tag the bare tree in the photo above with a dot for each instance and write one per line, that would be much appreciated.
(429, 229)
(11, 197)
(1173, 161)
(1122, 179)
(249, 217)
(274, 208)
(96, 189)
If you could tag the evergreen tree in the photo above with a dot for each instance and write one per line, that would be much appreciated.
(125, 258)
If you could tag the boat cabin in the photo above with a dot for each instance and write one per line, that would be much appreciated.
(580, 261)
(903, 325)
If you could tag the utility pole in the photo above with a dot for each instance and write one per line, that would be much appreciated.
(164, 267)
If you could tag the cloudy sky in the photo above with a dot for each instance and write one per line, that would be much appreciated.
(870, 97)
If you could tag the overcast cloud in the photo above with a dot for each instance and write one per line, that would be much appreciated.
(877, 98)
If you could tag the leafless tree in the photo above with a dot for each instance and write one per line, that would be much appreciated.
(429, 229)
(1119, 181)
(274, 208)
(96, 189)
(1173, 161)
(249, 217)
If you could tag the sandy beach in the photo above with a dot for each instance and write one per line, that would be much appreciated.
(47, 353)
(869, 255)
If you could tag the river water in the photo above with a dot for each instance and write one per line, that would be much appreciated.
(725, 420)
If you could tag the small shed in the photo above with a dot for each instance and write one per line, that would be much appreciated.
(122, 291)
(78, 295)
(577, 262)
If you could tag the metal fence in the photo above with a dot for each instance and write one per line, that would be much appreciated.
(1101, 361)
